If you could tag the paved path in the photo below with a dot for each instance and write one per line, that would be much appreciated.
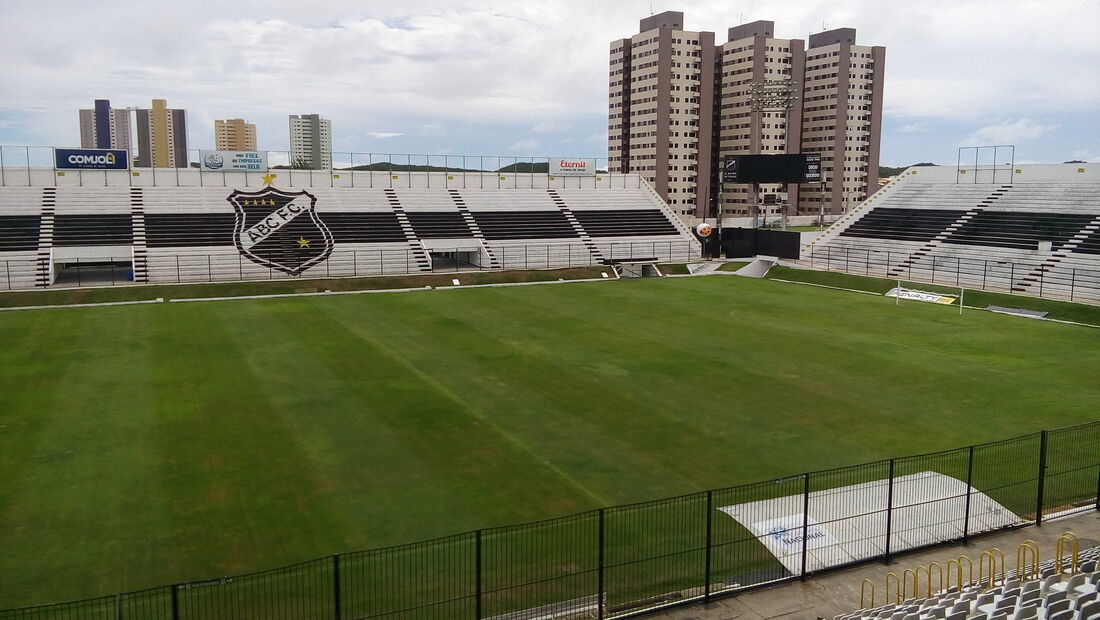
(838, 592)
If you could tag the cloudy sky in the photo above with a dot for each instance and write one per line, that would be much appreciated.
(529, 78)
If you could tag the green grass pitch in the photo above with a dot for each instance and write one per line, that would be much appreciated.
(145, 445)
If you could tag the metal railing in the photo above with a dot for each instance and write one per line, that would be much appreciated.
(1038, 278)
(624, 560)
(232, 266)
(36, 165)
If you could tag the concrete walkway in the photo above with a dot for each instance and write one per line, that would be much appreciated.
(838, 592)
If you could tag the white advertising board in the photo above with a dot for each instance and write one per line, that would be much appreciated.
(233, 161)
(934, 298)
(848, 524)
(561, 167)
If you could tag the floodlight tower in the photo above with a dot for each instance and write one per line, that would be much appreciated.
(770, 96)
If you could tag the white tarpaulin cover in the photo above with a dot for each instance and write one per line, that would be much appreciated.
(847, 524)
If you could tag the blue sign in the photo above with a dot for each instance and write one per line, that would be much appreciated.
(91, 159)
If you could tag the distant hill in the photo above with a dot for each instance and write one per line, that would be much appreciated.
(385, 166)
(887, 171)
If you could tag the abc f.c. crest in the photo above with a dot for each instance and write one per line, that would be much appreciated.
(280, 229)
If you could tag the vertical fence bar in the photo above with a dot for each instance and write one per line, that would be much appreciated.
(600, 577)
(1072, 282)
(805, 520)
(1098, 486)
(969, 484)
(336, 586)
(1042, 477)
(175, 602)
(477, 575)
(707, 553)
(889, 513)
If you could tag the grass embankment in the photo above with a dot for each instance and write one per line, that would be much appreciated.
(1062, 310)
(289, 286)
(732, 266)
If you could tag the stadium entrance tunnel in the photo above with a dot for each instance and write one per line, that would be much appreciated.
(458, 259)
(92, 272)
(637, 270)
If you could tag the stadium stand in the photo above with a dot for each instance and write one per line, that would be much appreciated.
(188, 234)
(1050, 591)
(1026, 237)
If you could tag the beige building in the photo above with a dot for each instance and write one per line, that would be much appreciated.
(679, 105)
(234, 135)
(161, 136)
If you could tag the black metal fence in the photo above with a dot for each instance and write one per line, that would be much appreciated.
(1041, 278)
(623, 560)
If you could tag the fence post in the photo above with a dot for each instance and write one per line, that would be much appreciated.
(1042, 477)
(710, 535)
(600, 574)
(477, 577)
(889, 513)
(1098, 487)
(175, 602)
(985, 273)
(336, 586)
(1072, 282)
(805, 519)
(969, 484)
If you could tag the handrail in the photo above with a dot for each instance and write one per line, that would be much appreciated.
(1059, 565)
(862, 588)
(1024, 569)
(992, 554)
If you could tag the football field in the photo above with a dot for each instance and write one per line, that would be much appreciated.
(151, 444)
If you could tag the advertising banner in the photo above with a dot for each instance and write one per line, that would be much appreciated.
(572, 167)
(233, 161)
(91, 159)
(934, 298)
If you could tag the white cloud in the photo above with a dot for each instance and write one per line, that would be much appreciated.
(524, 146)
(384, 134)
(1007, 132)
(914, 128)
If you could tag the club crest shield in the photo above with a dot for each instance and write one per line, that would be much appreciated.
(280, 229)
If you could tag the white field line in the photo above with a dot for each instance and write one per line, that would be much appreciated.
(104, 303)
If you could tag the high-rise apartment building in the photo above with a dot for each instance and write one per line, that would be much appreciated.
(161, 136)
(234, 135)
(310, 142)
(103, 127)
(679, 105)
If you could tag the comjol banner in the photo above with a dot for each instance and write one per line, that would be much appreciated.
(91, 159)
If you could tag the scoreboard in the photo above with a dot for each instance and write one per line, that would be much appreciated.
(798, 168)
